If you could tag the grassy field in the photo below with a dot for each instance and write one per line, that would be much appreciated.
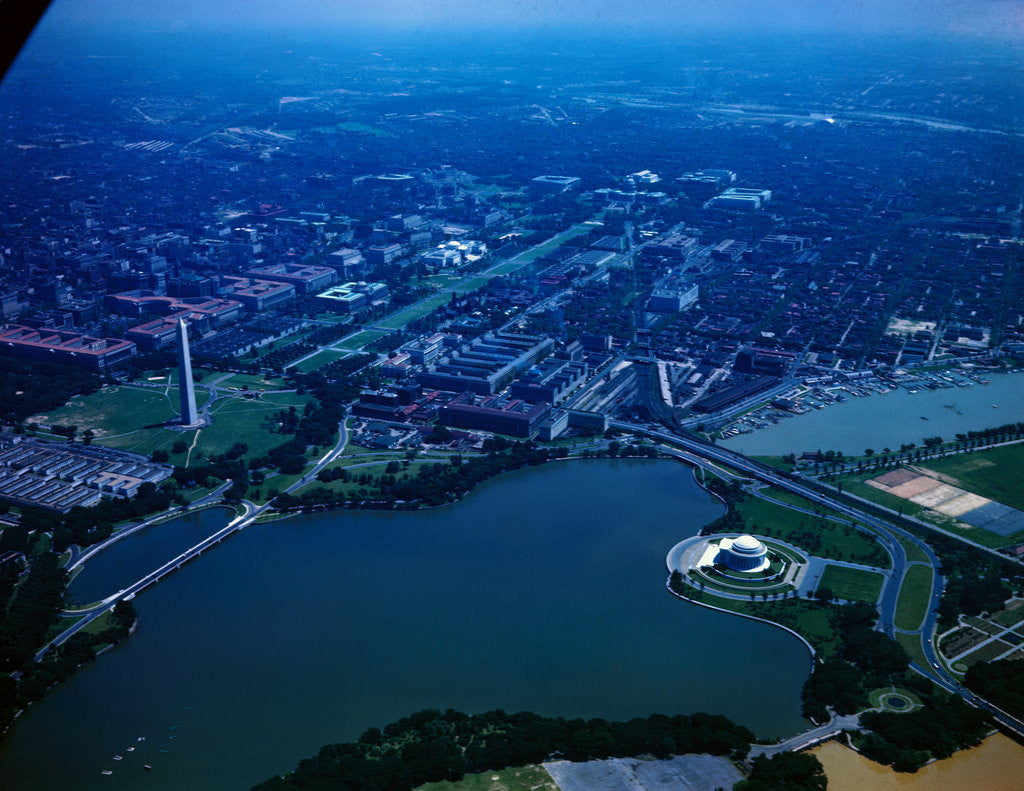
(117, 410)
(837, 541)
(997, 473)
(471, 283)
(912, 645)
(360, 339)
(235, 419)
(915, 594)
(322, 357)
(912, 550)
(523, 778)
(533, 253)
(410, 314)
(852, 584)
(254, 382)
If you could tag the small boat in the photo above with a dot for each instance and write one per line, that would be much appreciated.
(995, 406)
(147, 766)
(923, 417)
(107, 772)
(118, 757)
(141, 739)
(130, 750)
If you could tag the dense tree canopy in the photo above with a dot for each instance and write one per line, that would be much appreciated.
(431, 745)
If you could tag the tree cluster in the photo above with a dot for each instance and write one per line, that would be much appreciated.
(1000, 682)
(785, 772)
(87, 526)
(31, 388)
(907, 741)
(431, 746)
(866, 659)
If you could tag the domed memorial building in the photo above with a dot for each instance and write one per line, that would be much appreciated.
(743, 553)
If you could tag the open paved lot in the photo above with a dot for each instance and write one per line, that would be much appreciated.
(681, 773)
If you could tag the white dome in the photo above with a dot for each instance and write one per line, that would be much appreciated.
(747, 545)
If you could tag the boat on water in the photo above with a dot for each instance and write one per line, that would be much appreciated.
(118, 757)
(107, 772)
(147, 767)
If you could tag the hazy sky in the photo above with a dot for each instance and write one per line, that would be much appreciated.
(997, 18)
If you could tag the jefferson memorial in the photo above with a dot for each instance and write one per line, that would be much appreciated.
(743, 553)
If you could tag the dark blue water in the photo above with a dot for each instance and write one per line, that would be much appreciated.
(543, 590)
(134, 556)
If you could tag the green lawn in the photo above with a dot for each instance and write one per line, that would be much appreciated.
(320, 358)
(241, 420)
(117, 410)
(818, 536)
(915, 594)
(523, 778)
(774, 461)
(360, 339)
(912, 550)
(471, 284)
(912, 645)
(398, 320)
(997, 473)
(254, 381)
(533, 253)
(852, 584)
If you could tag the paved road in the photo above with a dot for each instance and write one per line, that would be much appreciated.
(807, 738)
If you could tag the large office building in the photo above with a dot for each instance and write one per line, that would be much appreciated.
(486, 365)
(554, 184)
(60, 476)
(552, 381)
(256, 295)
(306, 278)
(742, 199)
(62, 346)
(672, 295)
(141, 302)
(350, 297)
(515, 418)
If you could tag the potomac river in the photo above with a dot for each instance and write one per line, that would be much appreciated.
(543, 590)
(891, 419)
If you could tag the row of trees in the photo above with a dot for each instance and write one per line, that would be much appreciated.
(60, 663)
(431, 746)
(433, 484)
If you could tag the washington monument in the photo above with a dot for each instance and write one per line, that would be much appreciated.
(186, 388)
